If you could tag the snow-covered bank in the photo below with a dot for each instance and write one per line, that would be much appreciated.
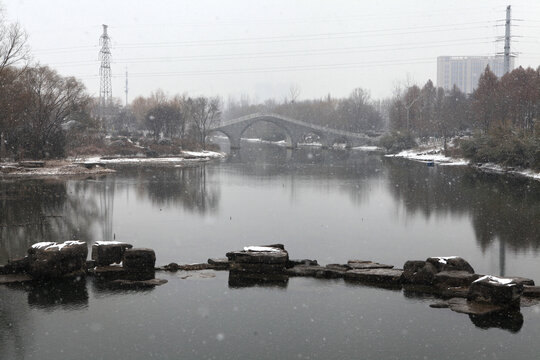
(51, 169)
(185, 157)
(96, 165)
(367, 148)
(434, 155)
(495, 168)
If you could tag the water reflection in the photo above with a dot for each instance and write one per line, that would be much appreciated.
(500, 207)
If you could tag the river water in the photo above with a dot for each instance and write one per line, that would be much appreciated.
(326, 205)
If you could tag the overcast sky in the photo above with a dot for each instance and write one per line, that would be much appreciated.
(261, 48)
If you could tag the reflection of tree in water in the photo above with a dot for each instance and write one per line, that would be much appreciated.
(189, 187)
(43, 210)
(500, 206)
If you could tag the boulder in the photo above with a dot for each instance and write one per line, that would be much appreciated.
(48, 260)
(259, 259)
(418, 272)
(259, 255)
(109, 252)
(450, 263)
(363, 264)
(139, 263)
(381, 276)
(496, 290)
(454, 278)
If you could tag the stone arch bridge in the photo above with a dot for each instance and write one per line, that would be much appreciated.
(294, 129)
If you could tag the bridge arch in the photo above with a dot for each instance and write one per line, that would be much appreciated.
(232, 140)
(276, 121)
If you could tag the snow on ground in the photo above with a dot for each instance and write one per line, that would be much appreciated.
(434, 155)
(367, 148)
(186, 156)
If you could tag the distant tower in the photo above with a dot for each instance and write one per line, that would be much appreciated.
(126, 87)
(105, 88)
(507, 41)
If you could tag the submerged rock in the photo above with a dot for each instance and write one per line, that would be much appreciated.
(219, 263)
(15, 278)
(109, 252)
(51, 260)
(306, 262)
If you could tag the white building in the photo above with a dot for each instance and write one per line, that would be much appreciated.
(464, 71)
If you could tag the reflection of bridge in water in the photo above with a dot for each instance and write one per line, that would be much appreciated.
(294, 129)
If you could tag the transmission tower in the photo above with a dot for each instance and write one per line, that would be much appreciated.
(105, 88)
(507, 41)
(126, 89)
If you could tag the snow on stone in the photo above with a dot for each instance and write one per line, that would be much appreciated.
(444, 259)
(100, 243)
(261, 249)
(65, 243)
(41, 245)
(49, 245)
(497, 280)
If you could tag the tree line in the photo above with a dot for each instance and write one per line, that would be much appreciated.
(501, 115)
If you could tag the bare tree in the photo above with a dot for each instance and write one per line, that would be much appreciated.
(204, 112)
(13, 45)
(294, 92)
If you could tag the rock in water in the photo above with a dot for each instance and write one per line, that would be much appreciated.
(496, 290)
(418, 272)
(139, 263)
(259, 259)
(49, 260)
(450, 263)
(109, 252)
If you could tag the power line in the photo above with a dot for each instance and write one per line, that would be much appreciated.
(267, 54)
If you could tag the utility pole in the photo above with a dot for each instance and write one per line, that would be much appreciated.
(507, 41)
(105, 87)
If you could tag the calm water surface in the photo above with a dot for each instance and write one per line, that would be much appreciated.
(326, 205)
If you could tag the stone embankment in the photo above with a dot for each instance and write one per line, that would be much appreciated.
(451, 280)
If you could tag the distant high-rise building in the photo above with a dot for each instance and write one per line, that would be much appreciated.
(464, 71)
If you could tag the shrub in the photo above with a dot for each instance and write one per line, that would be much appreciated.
(397, 141)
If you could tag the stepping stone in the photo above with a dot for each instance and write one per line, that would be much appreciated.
(362, 264)
(382, 276)
(454, 278)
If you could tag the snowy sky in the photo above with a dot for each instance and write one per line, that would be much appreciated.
(262, 48)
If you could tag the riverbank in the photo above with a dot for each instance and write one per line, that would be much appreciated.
(97, 165)
(434, 155)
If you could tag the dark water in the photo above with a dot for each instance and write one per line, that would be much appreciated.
(328, 205)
